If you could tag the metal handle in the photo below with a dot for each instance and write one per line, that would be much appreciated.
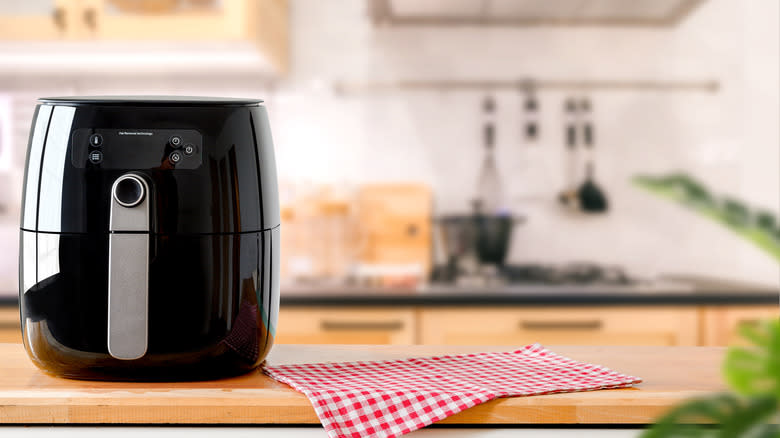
(58, 15)
(362, 325)
(128, 268)
(561, 325)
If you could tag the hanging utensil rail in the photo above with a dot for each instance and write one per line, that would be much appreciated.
(350, 87)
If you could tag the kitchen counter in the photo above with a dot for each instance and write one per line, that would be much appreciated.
(676, 290)
(29, 396)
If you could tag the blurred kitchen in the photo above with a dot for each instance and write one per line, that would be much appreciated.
(492, 172)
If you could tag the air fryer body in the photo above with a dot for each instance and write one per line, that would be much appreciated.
(189, 289)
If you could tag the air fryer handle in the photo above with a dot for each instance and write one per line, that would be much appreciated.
(128, 267)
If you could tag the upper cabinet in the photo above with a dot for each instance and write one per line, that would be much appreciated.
(523, 13)
(249, 25)
(33, 19)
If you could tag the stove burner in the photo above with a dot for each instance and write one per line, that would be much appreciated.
(573, 273)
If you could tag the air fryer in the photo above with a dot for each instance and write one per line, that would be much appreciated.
(149, 242)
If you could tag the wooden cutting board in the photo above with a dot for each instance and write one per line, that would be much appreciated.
(395, 223)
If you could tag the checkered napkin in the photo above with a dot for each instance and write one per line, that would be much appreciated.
(392, 397)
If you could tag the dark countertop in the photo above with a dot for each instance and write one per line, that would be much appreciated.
(670, 290)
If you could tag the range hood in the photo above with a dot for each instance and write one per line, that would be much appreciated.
(522, 13)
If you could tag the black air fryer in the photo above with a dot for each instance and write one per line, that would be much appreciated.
(149, 243)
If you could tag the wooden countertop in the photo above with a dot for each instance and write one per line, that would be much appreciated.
(670, 375)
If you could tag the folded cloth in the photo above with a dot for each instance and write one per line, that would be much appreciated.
(391, 397)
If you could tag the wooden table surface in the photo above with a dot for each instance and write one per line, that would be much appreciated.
(670, 375)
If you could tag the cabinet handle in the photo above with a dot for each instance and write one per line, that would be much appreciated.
(362, 325)
(58, 15)
(90, 17)
(561, 325)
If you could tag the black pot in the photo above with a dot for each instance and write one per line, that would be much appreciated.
(488, 236)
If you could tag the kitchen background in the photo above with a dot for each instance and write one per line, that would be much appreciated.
(359, 154)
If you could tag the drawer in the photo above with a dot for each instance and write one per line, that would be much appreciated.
(10, 330)
(560, 326)
(312, 325)
(721, 325)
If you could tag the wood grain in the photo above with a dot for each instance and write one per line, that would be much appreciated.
(608, 325)
(10, 329)
(670, 375)
(721, 325)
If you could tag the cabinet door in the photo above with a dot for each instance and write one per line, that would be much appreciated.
(560, 326)
(346, 326)
(37, 19)
(167, 20)
(721, 325)
(9, 325)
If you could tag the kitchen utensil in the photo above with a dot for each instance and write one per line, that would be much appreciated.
(568, 195)
(490, 189)
(531, 113)
(149, 237)
(592, 198)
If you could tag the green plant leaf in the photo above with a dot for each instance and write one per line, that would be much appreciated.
(752, 371)
(695, 418)
(749, 416)
(755, 369)
(757, 227)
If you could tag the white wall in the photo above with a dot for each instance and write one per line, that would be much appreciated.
(728, 140)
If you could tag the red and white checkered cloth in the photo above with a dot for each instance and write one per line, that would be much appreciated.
(392, 397)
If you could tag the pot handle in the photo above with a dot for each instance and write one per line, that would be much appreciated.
(128, 268)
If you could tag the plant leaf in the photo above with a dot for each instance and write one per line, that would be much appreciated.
(695, 418)
(755, 369)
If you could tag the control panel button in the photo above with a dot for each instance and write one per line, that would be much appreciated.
(95, 140)
(174, 157)
(175, 141)
(129, 191)
(96, 157)
(189, 149)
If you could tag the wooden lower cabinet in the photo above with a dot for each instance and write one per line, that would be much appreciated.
(510, 326)
(10, 330)
(326, 325)
(720, 326)
(560, 326)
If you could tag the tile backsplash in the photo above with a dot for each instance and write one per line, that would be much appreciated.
(728, 139)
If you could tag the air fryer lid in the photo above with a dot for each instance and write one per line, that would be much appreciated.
(208, 161)
(150, 100)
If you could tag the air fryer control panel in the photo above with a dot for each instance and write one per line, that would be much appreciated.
(137, 149)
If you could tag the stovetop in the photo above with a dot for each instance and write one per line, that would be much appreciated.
(552, 278)
(570, 273)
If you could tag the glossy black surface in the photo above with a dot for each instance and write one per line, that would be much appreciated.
(213, 234)
(210, 298)
(233, 190)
